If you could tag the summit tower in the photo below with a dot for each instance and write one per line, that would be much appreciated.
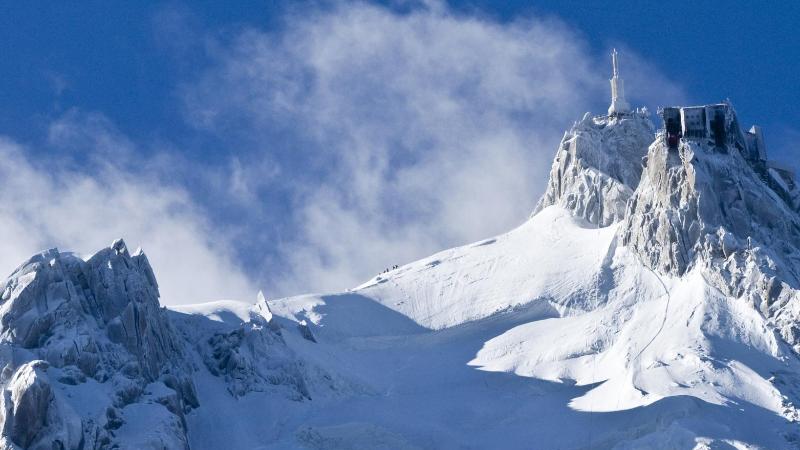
(618, 104)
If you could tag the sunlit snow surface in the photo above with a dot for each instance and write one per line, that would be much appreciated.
(550, 336)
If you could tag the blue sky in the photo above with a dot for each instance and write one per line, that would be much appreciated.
(297, 147)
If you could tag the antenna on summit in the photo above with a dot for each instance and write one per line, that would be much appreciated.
(618, 104)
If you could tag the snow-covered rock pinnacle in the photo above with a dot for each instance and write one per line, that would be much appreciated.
(598, 165)
(67, 324)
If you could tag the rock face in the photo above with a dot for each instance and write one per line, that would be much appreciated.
(597, 166)
(65, 324)
(701, 200)
(701, 204)
(251, 359)
(33, 416)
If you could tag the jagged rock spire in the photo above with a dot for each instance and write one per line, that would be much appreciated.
(597, 166)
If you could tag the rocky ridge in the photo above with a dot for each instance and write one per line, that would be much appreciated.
(90, 359)
(704, 205)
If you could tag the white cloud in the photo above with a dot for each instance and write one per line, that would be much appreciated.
(346, 140)
(44, 204)
(92, 134)
(404, 133)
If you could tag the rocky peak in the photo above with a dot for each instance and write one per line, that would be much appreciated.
(598, 165)
(695, 203)
(701, 204)
(97, 320)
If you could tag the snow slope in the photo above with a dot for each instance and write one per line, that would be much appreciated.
(538, 261)
(612, 355)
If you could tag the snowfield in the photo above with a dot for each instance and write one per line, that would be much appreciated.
(517, 342)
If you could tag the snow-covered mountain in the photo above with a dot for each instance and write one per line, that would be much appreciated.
(649, 302)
